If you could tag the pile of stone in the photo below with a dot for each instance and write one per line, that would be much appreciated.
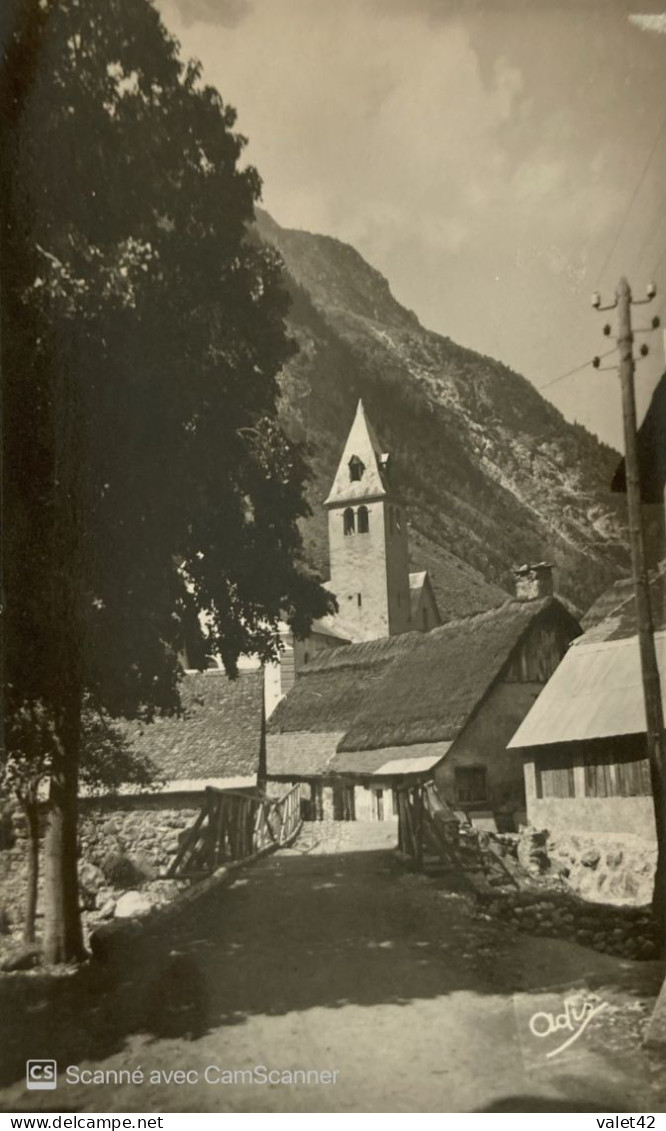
(627, 932)
(102, 900)
(525, 882)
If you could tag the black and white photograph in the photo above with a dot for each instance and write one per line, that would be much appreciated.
(333, 554)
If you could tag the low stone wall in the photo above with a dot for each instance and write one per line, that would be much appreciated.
(623, 931)
(126, 846)
(616, 868)
(148, 836)
(553, 887)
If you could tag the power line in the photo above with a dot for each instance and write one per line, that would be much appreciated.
(659, 262)
(570, 372)
(649, 241)
(630, 205)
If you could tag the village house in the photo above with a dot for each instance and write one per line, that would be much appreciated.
(377, 595)
(218, 740)
(363, 720)
(586, 766)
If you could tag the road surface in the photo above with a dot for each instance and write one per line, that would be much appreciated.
(329, 958)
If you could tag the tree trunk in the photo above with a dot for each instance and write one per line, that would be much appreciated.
(63, 935)
(31, 814)
(659, 891)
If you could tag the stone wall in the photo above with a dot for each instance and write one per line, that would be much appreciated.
(147, 833)
(623, 931)
(534, 891)
(615, 868)
(125, 848)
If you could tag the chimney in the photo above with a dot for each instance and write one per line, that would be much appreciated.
(534, 581)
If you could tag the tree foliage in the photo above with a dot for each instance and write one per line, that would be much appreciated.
(141, 337)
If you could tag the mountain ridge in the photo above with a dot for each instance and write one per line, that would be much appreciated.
(492, 473)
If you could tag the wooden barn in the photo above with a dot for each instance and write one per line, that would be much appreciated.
(586, 767)
(365, 719)
(584, 743)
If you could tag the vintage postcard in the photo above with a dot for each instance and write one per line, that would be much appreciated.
(334, 634)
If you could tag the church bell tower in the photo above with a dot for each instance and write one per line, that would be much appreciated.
(367, 531)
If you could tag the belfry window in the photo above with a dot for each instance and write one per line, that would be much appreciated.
(363, 519)
(356, 469)
(348, 521)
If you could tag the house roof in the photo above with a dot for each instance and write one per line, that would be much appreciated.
(596, 692)
(620, 621)
(419, 583)
(305, 754)
(301, 753)
(330, 626)
(430, 694)
(334, 687)
(616, 594)
(390, 760)
(404, 698)
(217, 739)
(362, 443)
(651, 450)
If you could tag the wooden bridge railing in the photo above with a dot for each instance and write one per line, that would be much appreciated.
(426, 825)
(234, 826)
(431, 836)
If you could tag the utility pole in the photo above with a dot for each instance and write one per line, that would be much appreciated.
(654, 716)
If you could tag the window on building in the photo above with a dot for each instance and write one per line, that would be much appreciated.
(555, 775)
(606, 775)
(363, 520)
(306, 657)
(471, 784)
(356, 469)
(359, 600)
(348, 521)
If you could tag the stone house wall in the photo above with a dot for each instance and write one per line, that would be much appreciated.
(483, 743)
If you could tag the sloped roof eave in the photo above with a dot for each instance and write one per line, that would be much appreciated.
(595, 693)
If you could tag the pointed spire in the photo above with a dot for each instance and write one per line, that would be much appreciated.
(360, 473)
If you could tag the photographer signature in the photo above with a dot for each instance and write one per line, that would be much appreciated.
(574, 1020)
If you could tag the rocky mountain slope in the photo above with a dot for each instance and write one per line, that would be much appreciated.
(492, 474)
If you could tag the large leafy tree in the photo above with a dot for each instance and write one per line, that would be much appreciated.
(142, 332)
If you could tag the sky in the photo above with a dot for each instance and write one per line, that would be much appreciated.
(496, 160)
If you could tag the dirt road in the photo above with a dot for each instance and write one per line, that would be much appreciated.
(330, 958)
